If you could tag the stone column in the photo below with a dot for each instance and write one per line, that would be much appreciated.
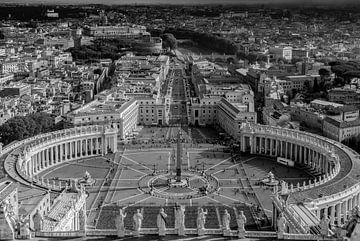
(81, 148)
(326, 212)
(338, 213)
(66, 149)
(86, 147)
(46, 157)
(76, 148)
(51, 159)
(97, 145)
(105, 142)
(272, 147)
(56, 153)
(345, 210)
(286, 149)
(36, 162)
(316, 160)
(253, 144)
(332, 215)
(291, 151)
(353, 202)
(91, 146)
(43, 159)
(32, 158)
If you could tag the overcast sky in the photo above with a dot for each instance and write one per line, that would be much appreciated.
(178, 1)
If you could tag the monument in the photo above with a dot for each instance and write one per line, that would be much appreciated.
(178, 158)
(241, 221)
(226, 223)
(6, 229)
(120, 223)
(201, 219)
(178, 181)
(180, 220)
(161, 222)
(138, 218)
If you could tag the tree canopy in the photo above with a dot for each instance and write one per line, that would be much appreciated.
(22, 127)
(324, 72)
(169, 41)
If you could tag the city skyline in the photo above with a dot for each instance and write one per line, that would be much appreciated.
(184, 2)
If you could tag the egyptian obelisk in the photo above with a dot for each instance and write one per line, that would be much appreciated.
(178, 158)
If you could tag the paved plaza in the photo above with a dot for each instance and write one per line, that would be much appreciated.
(139, 177)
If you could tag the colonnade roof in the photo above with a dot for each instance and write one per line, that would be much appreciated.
(347, 177)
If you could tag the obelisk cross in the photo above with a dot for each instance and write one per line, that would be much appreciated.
(178, 158)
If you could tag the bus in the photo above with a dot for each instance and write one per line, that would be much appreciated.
(285, 161)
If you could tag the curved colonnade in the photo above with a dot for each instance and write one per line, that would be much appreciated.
(42, 152)
(334, 191)
(335, 165)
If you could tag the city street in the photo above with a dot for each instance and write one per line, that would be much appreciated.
(178, 114)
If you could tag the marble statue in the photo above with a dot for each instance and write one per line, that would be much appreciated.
(6, 228)
(226, 220)
(271, 177)
(120, 223)
(281, 224)
(324, 226)
(201, 218)
(353, 225)
(138, 218)
(38, 220)
(161, 222)
(241, 221)
(180, 219)
(24, 228)
(87, 176)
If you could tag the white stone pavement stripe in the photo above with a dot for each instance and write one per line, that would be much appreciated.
(241, 187)
(145, 151)
(218, 164)
(240, 201)
(129, 159)
(142, 200)
(121, 200)
(169, 161)
(137, 170)
(217, 201)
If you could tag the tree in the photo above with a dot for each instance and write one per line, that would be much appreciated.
(21, 127)
(316, 87)
(324, 72)
(169, 41)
